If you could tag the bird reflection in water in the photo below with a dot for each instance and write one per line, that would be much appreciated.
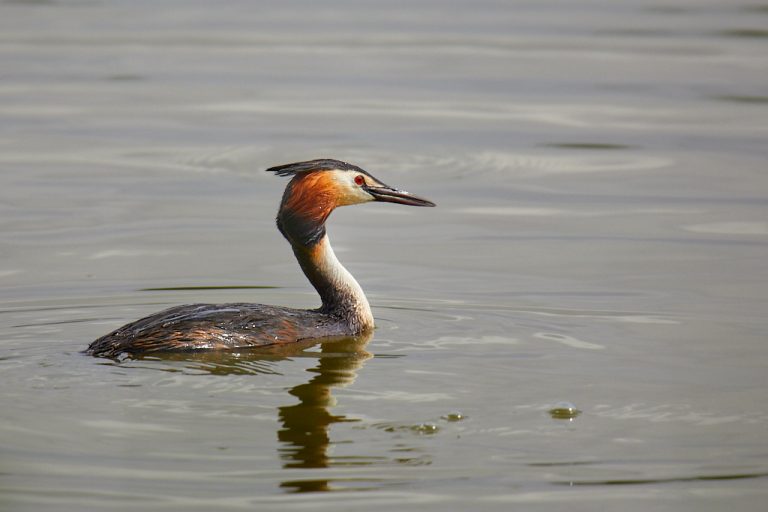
(304, 434)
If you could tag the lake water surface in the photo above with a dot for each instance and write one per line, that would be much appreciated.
(600, 245)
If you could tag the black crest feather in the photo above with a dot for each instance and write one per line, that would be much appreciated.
(321, 164)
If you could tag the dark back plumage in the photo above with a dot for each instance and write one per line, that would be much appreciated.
(216, 327)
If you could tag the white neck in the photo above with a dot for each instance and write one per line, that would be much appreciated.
(341, 294)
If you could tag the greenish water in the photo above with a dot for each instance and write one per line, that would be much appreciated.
(580, 323)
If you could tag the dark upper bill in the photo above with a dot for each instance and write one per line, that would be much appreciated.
(391, 195)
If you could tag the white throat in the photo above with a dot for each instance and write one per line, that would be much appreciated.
(340, 292)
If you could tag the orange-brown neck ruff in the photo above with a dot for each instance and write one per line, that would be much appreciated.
(307, 202)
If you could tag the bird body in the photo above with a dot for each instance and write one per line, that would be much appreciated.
(317, 187)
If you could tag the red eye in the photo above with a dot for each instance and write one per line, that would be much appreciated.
(359, 180)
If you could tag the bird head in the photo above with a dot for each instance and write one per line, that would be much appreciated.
(340, 184)
(317, 187)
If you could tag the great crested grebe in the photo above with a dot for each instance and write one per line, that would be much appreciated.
(317, 187)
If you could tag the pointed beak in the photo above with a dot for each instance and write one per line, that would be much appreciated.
(391, 195)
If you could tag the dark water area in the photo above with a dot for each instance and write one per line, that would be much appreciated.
(581, 322)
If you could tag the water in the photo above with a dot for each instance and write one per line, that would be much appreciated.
(581, 322)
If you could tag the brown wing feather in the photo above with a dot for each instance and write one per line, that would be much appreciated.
(216, 327)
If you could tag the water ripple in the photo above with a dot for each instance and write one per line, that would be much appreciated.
(568, 341)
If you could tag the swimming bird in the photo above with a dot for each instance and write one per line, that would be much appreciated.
(316, 188)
